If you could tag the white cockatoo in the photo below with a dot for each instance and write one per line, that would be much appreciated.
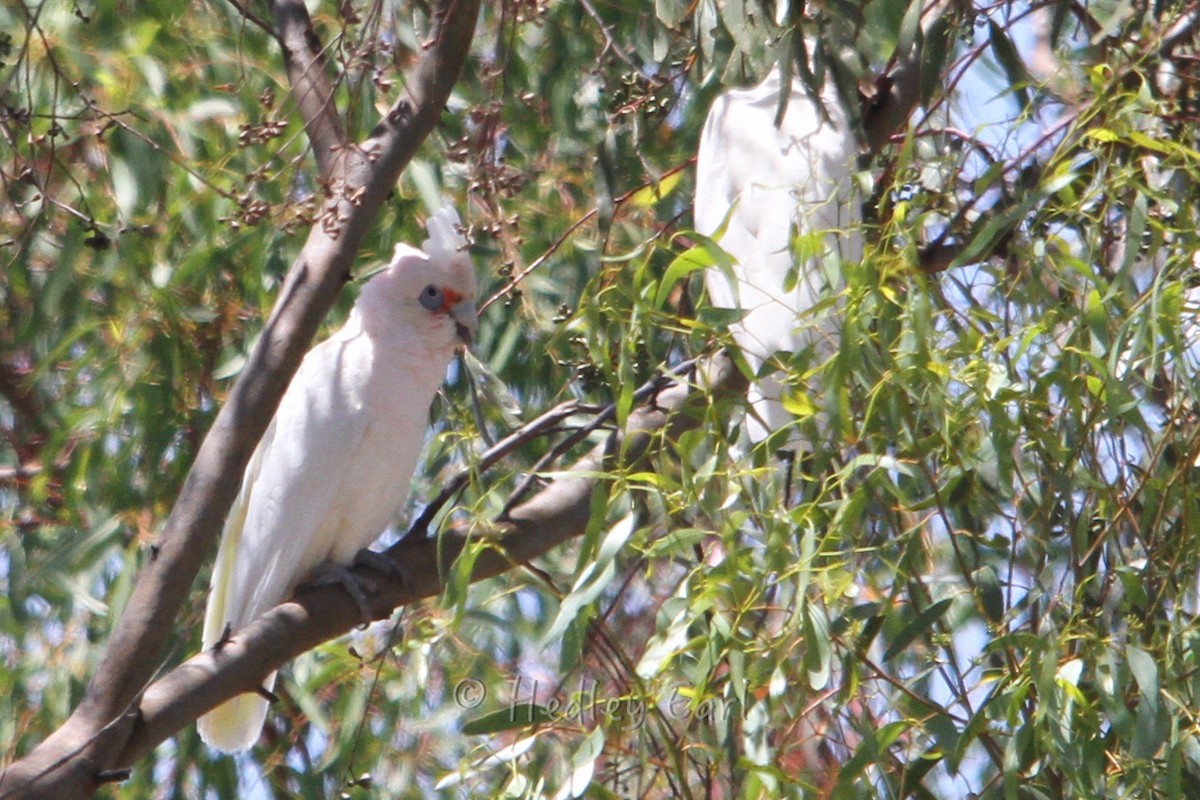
(769, 184)
(335, 463)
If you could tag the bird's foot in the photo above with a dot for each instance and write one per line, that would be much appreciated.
(356, 587)
(377, 561)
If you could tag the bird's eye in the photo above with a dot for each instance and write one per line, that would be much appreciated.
(431, 298)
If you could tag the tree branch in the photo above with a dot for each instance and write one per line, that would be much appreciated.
(897, 91)
(305, 66)
(67, 763)
(1181, 31)
(894, 95)
(319, 613)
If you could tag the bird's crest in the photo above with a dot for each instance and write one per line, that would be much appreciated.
(446, 241)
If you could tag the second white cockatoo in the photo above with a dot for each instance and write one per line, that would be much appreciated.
(335, 463)
(769, 184)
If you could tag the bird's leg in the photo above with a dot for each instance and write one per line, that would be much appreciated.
(226, 635)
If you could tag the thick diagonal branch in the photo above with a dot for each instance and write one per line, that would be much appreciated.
(554, 515)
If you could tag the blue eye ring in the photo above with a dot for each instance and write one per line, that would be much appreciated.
(432, 298)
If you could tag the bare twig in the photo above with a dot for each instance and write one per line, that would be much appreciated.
(610, 45)
(518, 438)
(251, 17)
(645, 391)
(537, 262)
(1181, 31)
(509, 287)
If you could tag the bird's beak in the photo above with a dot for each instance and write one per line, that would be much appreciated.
(464, 315)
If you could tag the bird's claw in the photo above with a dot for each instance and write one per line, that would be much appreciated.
(357, 587)
(380, 563)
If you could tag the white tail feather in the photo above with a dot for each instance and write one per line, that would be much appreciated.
(235, 725)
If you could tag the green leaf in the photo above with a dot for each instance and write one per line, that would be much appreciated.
(935, 49)
(517, 715)
(1010, 61)
(652, 195)
(670, 12)
(583, 764)
(920, 626)
(704, 255)
(910, 28)
(1144, 669)
(666, 643)
(990, 593)
(592, 580)
(817, 647)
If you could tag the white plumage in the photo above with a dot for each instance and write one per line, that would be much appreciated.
(336, 461)
(774, 184)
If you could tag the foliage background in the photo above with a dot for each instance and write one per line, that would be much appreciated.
(986, 584)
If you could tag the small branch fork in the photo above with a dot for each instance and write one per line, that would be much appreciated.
(544, 423)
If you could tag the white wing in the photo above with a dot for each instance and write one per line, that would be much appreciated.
(277, 533)
(327, 478)
(336, 461)
(775, 183)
